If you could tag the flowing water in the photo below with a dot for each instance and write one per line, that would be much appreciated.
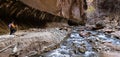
(88, 45)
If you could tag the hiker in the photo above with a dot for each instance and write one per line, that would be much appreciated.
(12, 27)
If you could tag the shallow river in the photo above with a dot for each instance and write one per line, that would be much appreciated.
(83, 43)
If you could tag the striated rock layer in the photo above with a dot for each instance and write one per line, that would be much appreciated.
(72, 9)
(42, 11)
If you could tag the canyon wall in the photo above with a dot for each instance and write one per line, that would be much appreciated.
(71, 9)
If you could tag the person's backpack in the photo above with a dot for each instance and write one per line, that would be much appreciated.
(11, 25)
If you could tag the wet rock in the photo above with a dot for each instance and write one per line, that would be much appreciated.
(89, 27)
(96, 49)
(117, 34)
(106, 30)
(85, 34)
(98, 26)
(82, 50)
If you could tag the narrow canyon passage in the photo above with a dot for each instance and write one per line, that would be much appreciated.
(60, 28)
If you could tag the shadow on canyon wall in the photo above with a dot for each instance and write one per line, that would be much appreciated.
(27, 16)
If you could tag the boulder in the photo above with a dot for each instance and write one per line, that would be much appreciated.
(110, 54)
(116, 34)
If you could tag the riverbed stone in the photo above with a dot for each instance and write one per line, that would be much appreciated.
(110, 54)
(82, 50)
(117, 34)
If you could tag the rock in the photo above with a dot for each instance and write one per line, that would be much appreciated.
(82, 50)
(112, 46)
(84, 34)
(110, 54)
(65, 28)
(117, 34)
(32, 40)
(98, 26)
(89, 27)
(106, 30)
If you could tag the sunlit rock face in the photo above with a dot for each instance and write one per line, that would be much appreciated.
(44, 5)
(72, 9)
